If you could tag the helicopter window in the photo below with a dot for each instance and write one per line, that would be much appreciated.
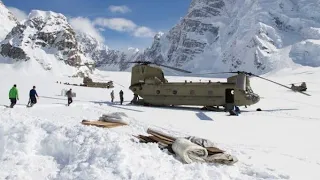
(192, 92)
(174, 91)
(210, 92)
(158, 91)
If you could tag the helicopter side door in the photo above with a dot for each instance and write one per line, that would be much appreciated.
(229, 93)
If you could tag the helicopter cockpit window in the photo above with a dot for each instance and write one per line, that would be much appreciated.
(248, 89)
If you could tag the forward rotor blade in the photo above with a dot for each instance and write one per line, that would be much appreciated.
(279, 84)
(174, 68)
(148, 62)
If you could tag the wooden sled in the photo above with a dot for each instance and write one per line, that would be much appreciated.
(102, 124)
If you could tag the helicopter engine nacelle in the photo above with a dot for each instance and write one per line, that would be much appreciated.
(241, 82)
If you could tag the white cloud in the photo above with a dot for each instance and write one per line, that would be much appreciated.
(84, 25)
(143, 32)
(124, 25)
(19, 14)
(118, 24)
(119, 9)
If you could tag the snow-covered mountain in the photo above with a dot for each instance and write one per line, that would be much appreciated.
(8, 21)
(215, 35)
(45, 37)
(104, 57)
(252, 35)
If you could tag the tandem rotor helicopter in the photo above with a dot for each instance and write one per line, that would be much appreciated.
(149, 83)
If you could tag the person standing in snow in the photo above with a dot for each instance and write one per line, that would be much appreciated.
(69, 95)
(112, 95)
(121, 96)
(33, 95)
(13, 95)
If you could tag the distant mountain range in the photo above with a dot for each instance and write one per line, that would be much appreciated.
(215, 35)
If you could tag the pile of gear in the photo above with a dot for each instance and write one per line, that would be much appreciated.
(189, 149)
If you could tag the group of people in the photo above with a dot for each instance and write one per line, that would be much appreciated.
(14, 96)
(120, 94)
(33, 96)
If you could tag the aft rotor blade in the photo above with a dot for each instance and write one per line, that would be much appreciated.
(279, 84)
(174, 68)
(216, 73)
(139, 62)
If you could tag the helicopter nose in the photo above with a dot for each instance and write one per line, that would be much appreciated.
(255, 98)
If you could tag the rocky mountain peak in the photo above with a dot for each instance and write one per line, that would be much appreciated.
(250, 35)
(43, 34)
(47, 21)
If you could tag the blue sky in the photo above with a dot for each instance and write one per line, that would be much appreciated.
(118, 23)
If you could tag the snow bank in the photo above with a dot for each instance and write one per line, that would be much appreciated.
(48, 140)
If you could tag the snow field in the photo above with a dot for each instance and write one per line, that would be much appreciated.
(49, 142)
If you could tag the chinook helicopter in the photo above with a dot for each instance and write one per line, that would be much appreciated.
(149, 83)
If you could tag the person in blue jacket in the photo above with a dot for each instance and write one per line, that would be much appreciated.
(33, 95)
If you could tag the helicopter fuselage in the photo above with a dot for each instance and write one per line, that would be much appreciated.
(149, 83)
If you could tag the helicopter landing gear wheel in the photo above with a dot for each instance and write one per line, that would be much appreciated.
(212, 108)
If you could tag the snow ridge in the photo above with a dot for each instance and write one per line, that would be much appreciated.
(8, 21)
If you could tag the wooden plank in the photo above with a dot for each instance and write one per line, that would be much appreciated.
(161, 135)
(214, 150)
(102, 124)
(157, 139)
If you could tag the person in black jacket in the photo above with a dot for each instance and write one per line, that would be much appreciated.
(69, 95)
(121, 96)
(33, 95)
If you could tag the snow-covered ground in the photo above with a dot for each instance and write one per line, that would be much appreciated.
(48, 141)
